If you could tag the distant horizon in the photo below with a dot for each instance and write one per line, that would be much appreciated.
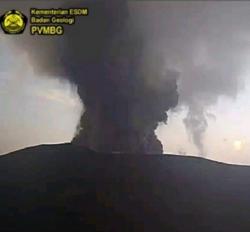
(123, 153)
(208, 43)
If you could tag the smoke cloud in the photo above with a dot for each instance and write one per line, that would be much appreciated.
(208, 43)
(126, 86)
(123, 83)
(113, 75)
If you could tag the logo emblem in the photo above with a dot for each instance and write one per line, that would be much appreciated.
(13, 22)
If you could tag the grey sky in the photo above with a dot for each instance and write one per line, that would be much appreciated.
(207, 42)
(34, 109)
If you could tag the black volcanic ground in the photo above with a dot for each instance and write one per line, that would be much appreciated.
(65, 187)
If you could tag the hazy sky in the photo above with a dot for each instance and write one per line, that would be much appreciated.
(207, 42)
(34, 109)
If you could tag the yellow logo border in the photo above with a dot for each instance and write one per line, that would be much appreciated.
(15, 16)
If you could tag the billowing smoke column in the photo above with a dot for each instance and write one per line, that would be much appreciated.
(196, 124)
(121, 77)
(106, 58)
(123, 85)
(208, 43)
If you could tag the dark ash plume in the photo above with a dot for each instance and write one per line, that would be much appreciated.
(116, 77)
(106, 61)
(208, 43)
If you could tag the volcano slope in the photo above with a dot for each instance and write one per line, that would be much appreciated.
(67, 187)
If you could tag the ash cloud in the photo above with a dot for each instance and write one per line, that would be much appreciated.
(125, 89)
(208, 43)
(122, 107)
(113, 58)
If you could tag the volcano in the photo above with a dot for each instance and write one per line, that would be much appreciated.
(58, 187)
